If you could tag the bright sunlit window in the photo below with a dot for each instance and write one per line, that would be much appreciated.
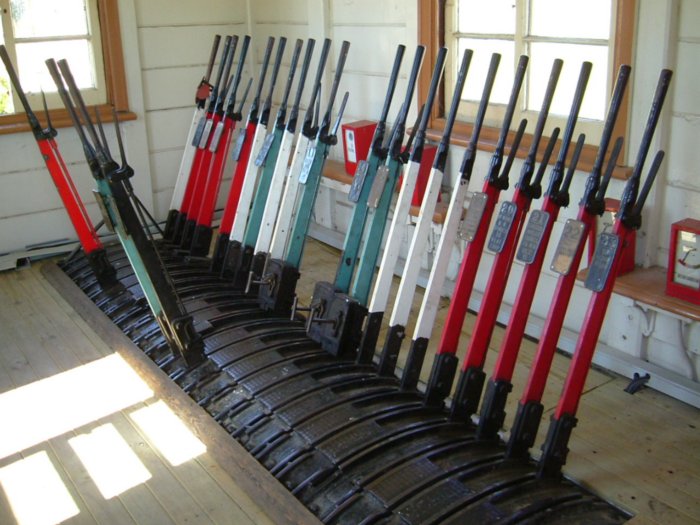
(34, 30)
(574, 31)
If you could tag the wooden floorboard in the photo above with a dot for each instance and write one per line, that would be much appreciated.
(43, 336)
(641, 451)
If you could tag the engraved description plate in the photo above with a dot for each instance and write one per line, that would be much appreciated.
(358, 181)
(378, 186)
(570, 239)
(603, 259)
(475, 212)
(532, 236)
(501, 229)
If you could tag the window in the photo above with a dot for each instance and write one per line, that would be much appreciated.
(599, 31)
(86, 32)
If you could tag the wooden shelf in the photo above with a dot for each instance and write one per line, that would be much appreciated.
(648, 286)
(335, 170)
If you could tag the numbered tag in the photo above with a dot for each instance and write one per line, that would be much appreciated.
(358, 181)
(264, 150)
(198, 132)
(238, 145)
(308, 162)
(569, 242)
(532, 236)
(602, 263)
(375, 193)
(501, 229)
(205, 134)
(475, 212)
(216, 137)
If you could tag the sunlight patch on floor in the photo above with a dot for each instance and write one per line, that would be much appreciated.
(168, 433)
(109, 460)
(35, 491)
(53, 406)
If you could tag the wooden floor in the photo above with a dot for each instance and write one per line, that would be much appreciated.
(79, 439)
(641, 451)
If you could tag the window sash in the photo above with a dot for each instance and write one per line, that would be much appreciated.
(432, 33)
(106, 16)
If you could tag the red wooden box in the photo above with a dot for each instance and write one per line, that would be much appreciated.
(357, 139)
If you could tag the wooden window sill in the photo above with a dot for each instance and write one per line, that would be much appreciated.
(17, 123)
(648, 286)
(489, 137)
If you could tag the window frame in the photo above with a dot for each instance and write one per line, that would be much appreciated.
(431, 33)
(115, 80)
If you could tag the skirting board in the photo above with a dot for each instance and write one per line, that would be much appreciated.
(279, 504)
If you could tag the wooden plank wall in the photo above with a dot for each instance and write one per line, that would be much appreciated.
(175, 44)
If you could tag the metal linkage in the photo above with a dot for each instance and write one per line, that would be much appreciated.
(205, 159)
(600, 280)
(566, 261)
(531, 253)
(383, 187)
(281, 275)
(201, 95)
(115, 192)
(433, 291)
(199, 142)
(252, 173)
(288, 206)
(268, 157)
(409, 279)
(503, 241)
(219, 147)
(336, 319)
(279, 182)
(362, 184)
(84, 228)
(476, 225)
(243, 147)
(379, 201)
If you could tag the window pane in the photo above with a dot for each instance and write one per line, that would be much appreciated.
(492, 17)
(6, 103)
(47, 18)
(570, 18)
(33, 73)
(541, 57)
(483, 49)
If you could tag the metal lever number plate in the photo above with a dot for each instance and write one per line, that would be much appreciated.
(501, 229)
(358, 181)
(532, 236)
(205, 134)
(198, 132)
(264, 150)
(380, 180)
(238, 145)
(602, 264)
(308, 162)
(216, 137)
(569, 242)
(475, 212)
